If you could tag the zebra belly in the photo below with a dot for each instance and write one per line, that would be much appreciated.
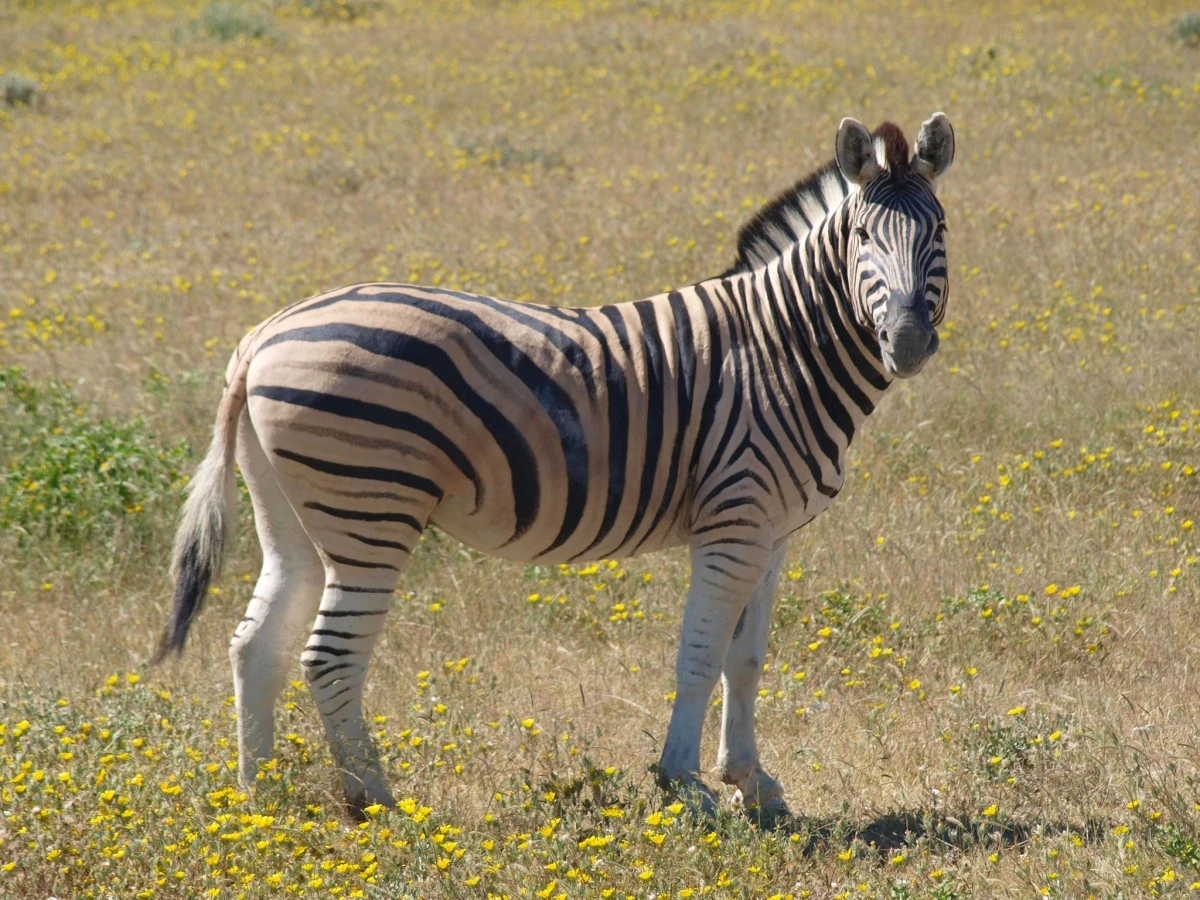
(454, 516)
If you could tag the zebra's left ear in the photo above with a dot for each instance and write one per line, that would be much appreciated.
(935, 148)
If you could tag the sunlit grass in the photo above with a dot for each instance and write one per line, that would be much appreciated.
(981, 679)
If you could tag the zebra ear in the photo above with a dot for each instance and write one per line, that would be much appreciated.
(935, 148)
(856, 152)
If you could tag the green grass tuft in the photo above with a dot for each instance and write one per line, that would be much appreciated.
(228, 20)
(70, 477)
(1187, 29)
(17, 90)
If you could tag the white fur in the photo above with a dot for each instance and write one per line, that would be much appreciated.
(881, 152)
(264, 644)
(206, 518)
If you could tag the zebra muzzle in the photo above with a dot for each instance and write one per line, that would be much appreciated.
(906, 336)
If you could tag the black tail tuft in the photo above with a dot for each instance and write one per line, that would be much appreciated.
(194, 572)
(207, 521)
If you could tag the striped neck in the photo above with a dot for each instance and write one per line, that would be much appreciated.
(801, 313)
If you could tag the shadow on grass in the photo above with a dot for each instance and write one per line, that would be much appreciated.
(896, 830)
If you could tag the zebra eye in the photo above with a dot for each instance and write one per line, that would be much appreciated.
(863, 237)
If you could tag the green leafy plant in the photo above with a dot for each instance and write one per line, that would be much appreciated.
(70, 475)
(17, 90)
(227, 20)
(1187, 29)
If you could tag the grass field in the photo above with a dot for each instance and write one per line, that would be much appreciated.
(984, 672)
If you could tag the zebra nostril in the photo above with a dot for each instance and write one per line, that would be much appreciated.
(883, 336)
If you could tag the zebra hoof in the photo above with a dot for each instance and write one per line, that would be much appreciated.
(360, 805)
(761, 798)
(696, 796)
(769, 813)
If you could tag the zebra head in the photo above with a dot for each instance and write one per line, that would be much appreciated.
(896, 251)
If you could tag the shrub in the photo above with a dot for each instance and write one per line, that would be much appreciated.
(1187, 29)
(227, 20)
(17, 90)
(70, 476)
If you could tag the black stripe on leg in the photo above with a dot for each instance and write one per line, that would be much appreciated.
(364, 473)
(741, 623)
(378, 542)
(334, 696)
(359, 563)
(346, 635)
(322, 648)
(360, 516)
(336, 613)
(329, 668)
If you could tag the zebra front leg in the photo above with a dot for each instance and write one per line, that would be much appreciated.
(737, 760)
(263, 649)
(721, 586)
(335, 662)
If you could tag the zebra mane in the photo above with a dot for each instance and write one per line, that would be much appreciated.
(799, 209)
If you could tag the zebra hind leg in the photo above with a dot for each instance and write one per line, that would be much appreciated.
(349, 623)
(264, 644)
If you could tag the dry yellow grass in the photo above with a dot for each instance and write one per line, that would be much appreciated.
(984, 656)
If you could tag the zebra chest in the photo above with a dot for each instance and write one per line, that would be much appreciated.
(804, 504)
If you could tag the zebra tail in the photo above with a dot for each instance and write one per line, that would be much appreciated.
(208, 521)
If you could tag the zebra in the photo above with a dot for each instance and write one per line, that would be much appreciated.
(716, 417)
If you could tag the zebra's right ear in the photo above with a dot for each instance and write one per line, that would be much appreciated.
(856, 152)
